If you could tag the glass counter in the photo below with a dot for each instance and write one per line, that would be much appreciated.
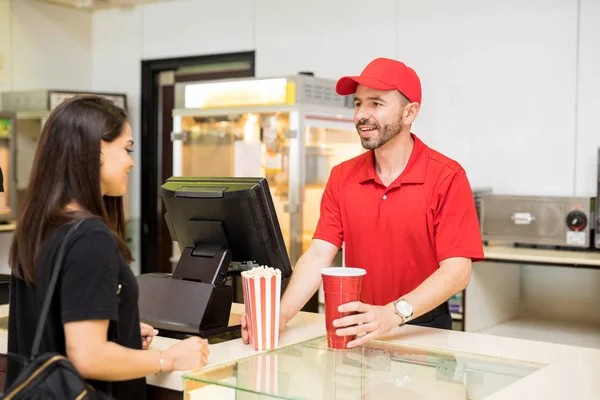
(378, 370)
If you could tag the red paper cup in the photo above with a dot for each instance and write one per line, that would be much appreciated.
(341, 285)
(262, 292)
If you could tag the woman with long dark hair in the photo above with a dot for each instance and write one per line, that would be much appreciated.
(80, 172)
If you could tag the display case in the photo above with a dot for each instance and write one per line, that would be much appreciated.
(8, 125)
(292, 130)
(377, 370)
(30, 110)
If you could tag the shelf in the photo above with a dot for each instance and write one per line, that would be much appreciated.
(550, 257)
(552, 331)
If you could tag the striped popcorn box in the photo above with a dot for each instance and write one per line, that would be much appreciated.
(258, 374)
(262, 291)
(265, 377)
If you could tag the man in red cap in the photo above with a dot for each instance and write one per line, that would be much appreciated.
(404, 212)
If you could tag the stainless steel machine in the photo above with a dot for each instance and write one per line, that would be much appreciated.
(292, 130)
(537, 220)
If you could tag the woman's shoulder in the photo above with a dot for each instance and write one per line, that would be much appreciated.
(92, 239)
(92, 224)
(92, 227)
(88, 228)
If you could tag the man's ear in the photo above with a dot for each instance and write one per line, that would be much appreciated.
(410, 112)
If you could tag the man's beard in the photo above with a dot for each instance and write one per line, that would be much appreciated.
(385, 133)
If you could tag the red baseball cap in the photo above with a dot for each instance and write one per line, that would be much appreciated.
(384, 74)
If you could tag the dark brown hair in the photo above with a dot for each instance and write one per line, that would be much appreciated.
(66, 170)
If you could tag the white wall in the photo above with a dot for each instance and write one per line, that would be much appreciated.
(499, 84)
(5, 46)
(511, 88)
(116, 55)
(588, 105)
(116, 44)
(292, 36)
(45, 46)
(187, 28)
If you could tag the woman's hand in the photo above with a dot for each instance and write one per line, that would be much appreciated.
(189, 354)
(148, 333)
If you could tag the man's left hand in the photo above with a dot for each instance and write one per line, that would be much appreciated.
(374, 321)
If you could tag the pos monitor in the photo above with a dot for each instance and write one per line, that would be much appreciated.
(220, 225)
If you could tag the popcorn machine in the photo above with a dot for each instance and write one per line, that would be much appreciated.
(292, 130)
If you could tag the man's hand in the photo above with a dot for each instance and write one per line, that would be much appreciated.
(247, 333)
(374, 321)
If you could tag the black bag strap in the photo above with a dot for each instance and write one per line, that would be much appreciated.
(50, 293)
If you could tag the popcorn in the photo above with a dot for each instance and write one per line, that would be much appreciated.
(261, 272)
(262, 292)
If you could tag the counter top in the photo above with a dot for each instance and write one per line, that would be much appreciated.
(303, 327)
(507, 253)
(566, 371)
(569, 371)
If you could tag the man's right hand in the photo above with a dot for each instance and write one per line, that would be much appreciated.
(247, 333)
(305, 281)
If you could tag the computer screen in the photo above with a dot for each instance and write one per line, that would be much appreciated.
(206, 215)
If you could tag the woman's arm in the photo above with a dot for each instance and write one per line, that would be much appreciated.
(97, 358)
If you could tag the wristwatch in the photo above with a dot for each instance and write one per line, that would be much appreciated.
(403, 309)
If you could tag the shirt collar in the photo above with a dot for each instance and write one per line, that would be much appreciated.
(414, 171)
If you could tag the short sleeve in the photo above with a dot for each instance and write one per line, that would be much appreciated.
(89, 280)
(457, 232)
(329, 227)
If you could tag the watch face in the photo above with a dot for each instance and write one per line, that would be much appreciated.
(404, 308)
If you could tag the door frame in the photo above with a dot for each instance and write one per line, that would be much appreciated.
(152, 232)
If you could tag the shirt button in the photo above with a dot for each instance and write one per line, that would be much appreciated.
(384, 196)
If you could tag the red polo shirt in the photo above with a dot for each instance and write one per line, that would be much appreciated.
(400, 233)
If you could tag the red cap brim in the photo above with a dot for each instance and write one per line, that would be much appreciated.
(347, 84)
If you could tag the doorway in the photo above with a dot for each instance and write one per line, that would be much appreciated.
(158, 100)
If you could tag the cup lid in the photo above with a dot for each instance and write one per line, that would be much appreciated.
(343, 271)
